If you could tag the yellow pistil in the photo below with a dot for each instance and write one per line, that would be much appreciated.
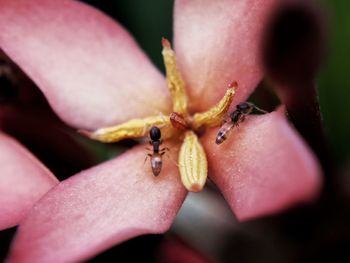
(192, 158)
(192, 163)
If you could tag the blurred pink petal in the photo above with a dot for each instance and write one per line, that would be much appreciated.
(218, 42)
(23, 180)
(263, 167)
(87, 65)
(173, 250)
(99, 208)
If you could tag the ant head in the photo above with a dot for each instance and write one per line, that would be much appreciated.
(154, 133)
(244, 107)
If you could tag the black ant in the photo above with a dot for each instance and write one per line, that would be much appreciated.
(156, 155)
(236, 117)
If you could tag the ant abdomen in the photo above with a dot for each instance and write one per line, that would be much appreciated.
(223, 132)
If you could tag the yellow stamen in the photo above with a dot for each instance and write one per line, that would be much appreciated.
(176, 85)
(192, 159)
(132, 129)
(192, 163)
(214, 116)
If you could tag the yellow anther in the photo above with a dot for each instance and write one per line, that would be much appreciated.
(214, 116)
(192, 163)
(192, 159)
(132, 129)
(176, 85)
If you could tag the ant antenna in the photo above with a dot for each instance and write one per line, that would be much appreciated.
(259, 109)
(145, 128)
(167, 155)
(163, 119)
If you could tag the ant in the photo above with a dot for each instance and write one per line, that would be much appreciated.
(236, 117)
(156, 155)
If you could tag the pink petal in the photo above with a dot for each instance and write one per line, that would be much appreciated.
(217, 42)
(99, 208)
(89, 68)
(175, 250)
(263, 167)
(23, 180)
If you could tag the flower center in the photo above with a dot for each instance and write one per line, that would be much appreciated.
(192, 159)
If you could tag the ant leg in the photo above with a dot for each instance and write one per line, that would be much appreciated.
(171, 159)
(225, 119)
(148, 155)
(149, 149)
(240, 121)
(145, 128)
(223, 122)
(165, 149)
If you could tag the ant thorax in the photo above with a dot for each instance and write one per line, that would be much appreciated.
(235, 116)
(156, 145)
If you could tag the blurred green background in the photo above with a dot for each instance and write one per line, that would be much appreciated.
(149, 21)
(334, 79)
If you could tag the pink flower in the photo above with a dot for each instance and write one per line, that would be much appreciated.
(93, 74)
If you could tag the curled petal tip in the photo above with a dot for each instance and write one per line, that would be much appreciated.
(233, 85)
(165, 43)
(196, 188)
(86, 133)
